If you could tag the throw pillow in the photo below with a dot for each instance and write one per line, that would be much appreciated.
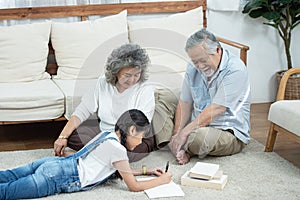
(75, 42)
(24, 52)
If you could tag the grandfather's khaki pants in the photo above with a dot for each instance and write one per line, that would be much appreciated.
(211, 141)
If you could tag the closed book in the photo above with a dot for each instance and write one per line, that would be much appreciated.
(218, 184)
(204, 170)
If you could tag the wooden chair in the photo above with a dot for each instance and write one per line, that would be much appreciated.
(284, 115)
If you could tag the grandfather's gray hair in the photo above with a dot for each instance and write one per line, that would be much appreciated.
(204, 38)
(127, 55)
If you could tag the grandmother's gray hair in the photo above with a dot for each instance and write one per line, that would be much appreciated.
(204, 38)
(127, 55)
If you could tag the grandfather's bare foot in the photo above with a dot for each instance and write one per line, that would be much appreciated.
(177, 142)
(182, 157)
(172, 145)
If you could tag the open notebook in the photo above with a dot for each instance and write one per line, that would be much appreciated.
(167, 190)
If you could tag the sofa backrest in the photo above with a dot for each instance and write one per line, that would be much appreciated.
(84, 11)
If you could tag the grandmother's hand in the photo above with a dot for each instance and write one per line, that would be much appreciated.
(59, 147)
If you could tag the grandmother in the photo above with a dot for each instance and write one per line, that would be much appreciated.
(123, 87)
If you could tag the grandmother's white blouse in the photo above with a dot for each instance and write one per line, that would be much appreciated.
(105, 100)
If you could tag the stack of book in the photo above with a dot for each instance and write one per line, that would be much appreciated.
(206, 175)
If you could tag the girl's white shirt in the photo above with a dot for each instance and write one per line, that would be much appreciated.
(98, 164)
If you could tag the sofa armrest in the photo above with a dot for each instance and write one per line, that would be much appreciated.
(243, 48)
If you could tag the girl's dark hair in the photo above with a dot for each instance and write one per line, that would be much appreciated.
(133, 117)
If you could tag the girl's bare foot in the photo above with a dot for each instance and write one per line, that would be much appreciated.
(182, 157)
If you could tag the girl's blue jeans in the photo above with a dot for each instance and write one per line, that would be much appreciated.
(40, 178)
(47, 176)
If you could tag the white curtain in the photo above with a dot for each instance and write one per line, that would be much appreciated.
(217, 5)
(229, 5)
(37, 3)
(226, 5)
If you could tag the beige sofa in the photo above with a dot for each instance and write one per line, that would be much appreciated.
(38, 84)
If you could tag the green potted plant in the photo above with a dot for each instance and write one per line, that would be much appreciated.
(283, 15)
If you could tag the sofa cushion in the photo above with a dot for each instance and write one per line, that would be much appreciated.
(23, 52)
(286, 114)
(164, 38)
(74, 42)
(166, 70)
(73, 91)
(185, 23)
(35, 100)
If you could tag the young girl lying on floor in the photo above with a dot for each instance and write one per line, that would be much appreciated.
(102, 158)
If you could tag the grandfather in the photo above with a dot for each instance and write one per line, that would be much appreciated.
(213, 113)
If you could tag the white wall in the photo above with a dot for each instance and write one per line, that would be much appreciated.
(266, 55)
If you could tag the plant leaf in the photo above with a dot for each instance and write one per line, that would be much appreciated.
(272, 16)
(252, 5)
(257, 13)
(270, 24)
(293, 26)
(284, 1)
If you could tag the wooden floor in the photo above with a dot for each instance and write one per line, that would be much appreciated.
(42, 135)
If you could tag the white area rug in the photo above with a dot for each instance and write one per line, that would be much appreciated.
(252, 174)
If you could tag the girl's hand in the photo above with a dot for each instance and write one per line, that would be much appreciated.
(165, 177)
(156, 171)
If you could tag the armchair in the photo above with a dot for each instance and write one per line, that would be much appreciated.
(284, 115)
